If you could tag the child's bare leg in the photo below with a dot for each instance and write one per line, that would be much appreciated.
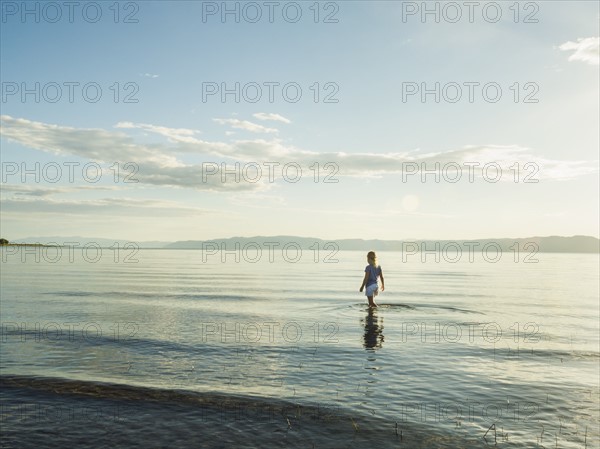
(371, 302)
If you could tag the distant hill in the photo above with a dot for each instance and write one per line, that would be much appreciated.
(104, 243)
(552, 244)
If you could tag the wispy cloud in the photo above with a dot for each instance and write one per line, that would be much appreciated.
(92, 143)
(149, 75)
(173, 134)
(158, 165)
(33, 191)
(585, 50)
(245, 125)
(272, 117)
(109, 206)
(257, 200)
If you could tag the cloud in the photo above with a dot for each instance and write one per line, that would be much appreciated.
(273, 117)
(173, 134)
(25, 190)
(149, 75)
(154, 163)
(29, 190)
(158, 165)
(245, 125)
(585, 50)
(94, 207)
(257, 200)
(92, 143)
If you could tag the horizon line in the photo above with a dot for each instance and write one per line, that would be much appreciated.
(309, 237)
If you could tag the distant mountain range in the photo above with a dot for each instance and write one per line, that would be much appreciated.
(82, 241)
(551, 244)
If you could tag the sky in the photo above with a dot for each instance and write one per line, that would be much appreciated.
(187, 120)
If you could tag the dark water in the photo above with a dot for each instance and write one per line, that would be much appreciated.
(172, 351)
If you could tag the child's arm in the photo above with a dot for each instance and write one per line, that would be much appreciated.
(364, 282)
(382, 281)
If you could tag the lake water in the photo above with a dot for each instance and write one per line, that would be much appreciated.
(173, 348)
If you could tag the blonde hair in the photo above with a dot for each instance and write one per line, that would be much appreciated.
(372, 258)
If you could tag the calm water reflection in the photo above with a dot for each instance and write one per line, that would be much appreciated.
(373, 337)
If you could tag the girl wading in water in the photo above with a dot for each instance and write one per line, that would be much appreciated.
(372, 272)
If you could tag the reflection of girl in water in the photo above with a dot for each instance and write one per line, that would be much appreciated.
(372, 273)
(373, 337)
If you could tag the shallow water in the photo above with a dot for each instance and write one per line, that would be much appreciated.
(174, 350)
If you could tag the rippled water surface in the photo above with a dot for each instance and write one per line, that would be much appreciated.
(177, 351)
